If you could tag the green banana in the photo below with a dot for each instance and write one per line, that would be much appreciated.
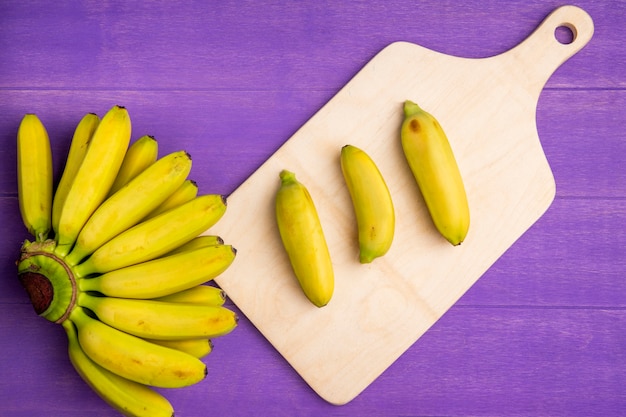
(159, 319)
(431, 159)
(303, 239)
(78, 148)
(168, 275)
(95, 175)
(156, 236)
(134, 358)
(131, 203)
(372, 203)
(140, 155)
(34, 176)
(128, 397)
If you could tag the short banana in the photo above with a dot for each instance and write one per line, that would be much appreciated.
(139, 156)
(303, 239)
(185, 193)
(156, 236)
(435, 169)
(131, 203)
(162, 276)
(371, 201)
(135, 358)
(34, 176)
(161, 320)
(78, 148)
(94, 177)
(200, 294)
(198, 348)
(128, 397)
(199, 242)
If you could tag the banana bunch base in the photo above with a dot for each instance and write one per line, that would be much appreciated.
(120, 259)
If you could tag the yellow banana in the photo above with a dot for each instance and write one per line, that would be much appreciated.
(156, 236)
(185, 193)
(94, 177)
(34, 176)
(199, 242)
(200, 294)
(162, 276)
(128, 397)
(195, 347)
(139, 156)
(135, 358)
(131, 203)
(435, 169)
(372, 203)
(78, 148)
(159, 319)
(303, 239)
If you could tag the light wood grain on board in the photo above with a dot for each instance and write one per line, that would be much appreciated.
(487, 108)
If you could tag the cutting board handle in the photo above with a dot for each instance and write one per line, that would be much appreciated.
(542, 53)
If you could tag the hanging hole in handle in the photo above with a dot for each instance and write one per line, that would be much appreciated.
(565, 34)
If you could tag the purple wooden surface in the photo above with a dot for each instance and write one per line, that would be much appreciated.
(542, 333)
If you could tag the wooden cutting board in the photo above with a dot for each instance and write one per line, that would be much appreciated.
(487, 107)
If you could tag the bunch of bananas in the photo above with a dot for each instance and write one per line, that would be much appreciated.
(124, 269)
(433, 165)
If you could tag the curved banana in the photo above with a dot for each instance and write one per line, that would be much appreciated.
(161, 320)
(303, 239)
(434, 167)
(198, 242)
(34, 176)
(128, 397)
(162, 276)
(198, 348)
(156, 236)
(94, 177)
(140, 155)
(135, 358)
(185, 193)
(372, 203)
(131, 203)
(78, 148)
(200, 294)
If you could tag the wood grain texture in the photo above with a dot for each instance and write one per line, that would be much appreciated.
(541, 333)
(487, 108)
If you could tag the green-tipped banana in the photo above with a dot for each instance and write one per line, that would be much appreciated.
(34, 176)
(131, 203)
(135, 358)
(161, 320)
(303, 239)
(95, 176)
(200, 294)
(435, 169)
(198, 348)
(185, 193)
(78, 148)
(372, 203)
(128, 397)
(167, 275)
(156, 236)
(140, 155)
